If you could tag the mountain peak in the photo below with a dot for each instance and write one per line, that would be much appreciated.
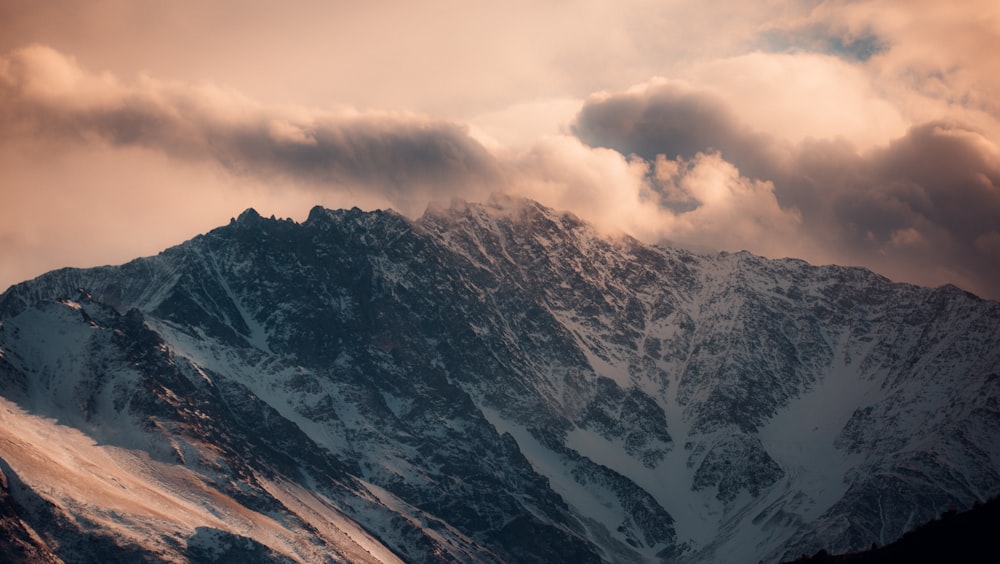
(249, 215)
(317, 213)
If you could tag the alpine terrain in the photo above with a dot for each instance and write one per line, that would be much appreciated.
(491, 382)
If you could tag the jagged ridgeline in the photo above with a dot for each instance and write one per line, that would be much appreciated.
(491, 382)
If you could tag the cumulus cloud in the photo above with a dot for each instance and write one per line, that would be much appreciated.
(702, 203)
(47, 98)
(921, 207)
(721, 209)
(600, 185)
(674, 119)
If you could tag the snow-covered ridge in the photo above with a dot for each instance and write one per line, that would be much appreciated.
(501, 382)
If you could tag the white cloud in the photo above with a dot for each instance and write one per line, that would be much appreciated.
(802, 95)
(730, 212)
(724, 211)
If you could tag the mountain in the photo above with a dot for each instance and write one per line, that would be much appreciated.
(491, 382)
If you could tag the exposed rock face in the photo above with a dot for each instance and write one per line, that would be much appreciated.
(493, 382)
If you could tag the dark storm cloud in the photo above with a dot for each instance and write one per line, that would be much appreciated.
(406, 159)
(46, 98)
(668, 120)
(926, 206)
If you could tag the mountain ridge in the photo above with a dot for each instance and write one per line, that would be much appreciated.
(525, 381)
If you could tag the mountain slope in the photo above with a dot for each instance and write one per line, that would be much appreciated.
(494, 382)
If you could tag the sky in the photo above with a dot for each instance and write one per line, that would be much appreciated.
(853, 132)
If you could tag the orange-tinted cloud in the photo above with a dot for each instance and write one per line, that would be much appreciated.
(914, 208)
(859, 132)
(97, 170)
(47, 98)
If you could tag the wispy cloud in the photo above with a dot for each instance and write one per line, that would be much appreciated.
(48, 98)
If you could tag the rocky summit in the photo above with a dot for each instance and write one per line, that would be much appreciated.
(493, 382)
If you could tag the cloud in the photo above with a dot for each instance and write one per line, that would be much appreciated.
(931, 59)
(48, 98)
(403, 159)
(674, 119)
(522, 125)
(922, 207)
(747, 151)
(723, 209)
(600, 185)
(702, 202)
(801, 95)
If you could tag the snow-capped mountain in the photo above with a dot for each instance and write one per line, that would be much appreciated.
(491, 382)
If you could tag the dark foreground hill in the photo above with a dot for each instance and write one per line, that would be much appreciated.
(968, 536)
